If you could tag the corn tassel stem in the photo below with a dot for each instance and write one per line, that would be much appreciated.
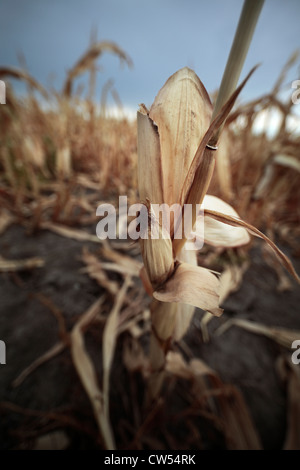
(240, 46)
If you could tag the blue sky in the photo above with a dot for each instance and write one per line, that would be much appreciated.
(160, 36)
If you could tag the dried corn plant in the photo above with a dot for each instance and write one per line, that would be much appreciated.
(177, 140)
(56, 164)
(65, 146)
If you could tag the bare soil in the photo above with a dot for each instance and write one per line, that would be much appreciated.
(52, 396)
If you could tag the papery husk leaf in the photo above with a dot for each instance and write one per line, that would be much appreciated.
(149, 160)
(236, 222)
(184, 312)
(157, 253)
(201, 170)
(163, 317)
(182, 111)
(184, 317)
(218, 234)
(208, 138)
(192, 285)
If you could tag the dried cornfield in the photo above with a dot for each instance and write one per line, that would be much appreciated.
(124, 367)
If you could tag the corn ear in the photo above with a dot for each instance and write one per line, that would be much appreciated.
(157, 252)
(182, 111)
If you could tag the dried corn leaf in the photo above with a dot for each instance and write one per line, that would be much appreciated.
(289, 374)
(87, 182)
(203, 325)
(230, 280)
(63, 161)
(131, 266)
(52, 352)
(132, 325)
(95, 271)
(236, 422)
(6, 219)
(109, 341)
(284, 282)
(287, 161)
(67, 232)
(227, 219)
(192, 285)
(20, 264)
(282, 336)
(87, 61)
(264, 183)
(134, 357)
(23, 75)
(87, 374)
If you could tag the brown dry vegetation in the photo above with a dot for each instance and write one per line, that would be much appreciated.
(57, 163)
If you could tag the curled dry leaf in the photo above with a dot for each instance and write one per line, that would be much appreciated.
(236, 222)
(192, 285)
(20, 264)
(217, 233)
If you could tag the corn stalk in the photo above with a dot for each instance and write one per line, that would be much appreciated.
(175, 169)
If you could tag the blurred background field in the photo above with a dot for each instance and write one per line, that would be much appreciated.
(65, 151)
